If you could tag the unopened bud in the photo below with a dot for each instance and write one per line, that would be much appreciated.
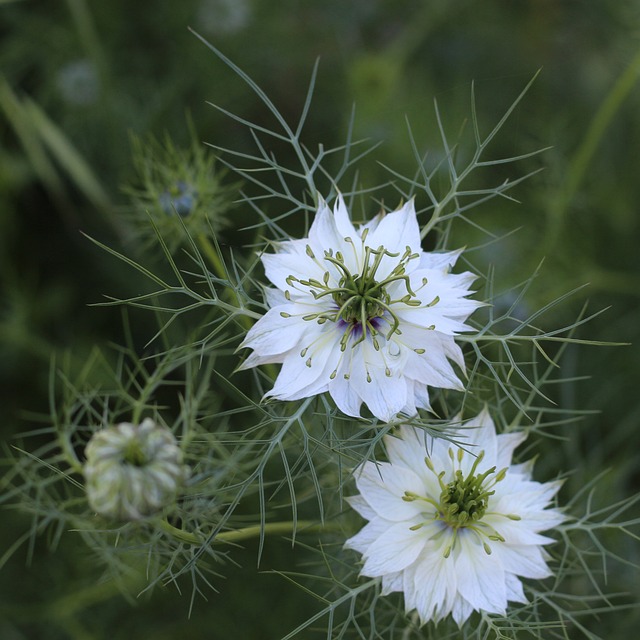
(133, 471)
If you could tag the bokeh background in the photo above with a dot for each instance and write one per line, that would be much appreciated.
(79, 78)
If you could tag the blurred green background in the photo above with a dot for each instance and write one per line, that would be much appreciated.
(78, 78)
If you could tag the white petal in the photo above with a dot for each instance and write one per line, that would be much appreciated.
(407, 447)
(274, 334)
(345, 396)
(384, 395)
(480, 432)
(255, 359)
(519, 532)
(394, 550)
(515, 592)
(323, 231)
(481, 576)
(368, 535)
(431, 367)
(279, 266)
(529, 500)
(359, 504)
(426, 316)
(342, 219)
(442, 261)
(522, 560)
(274, 297)
(461, 610)
(298, 375)
(420, 393)
(395, 232)
(507, 443)
(443, 298)
(372, 225)
(383, 487)
(392, 582)
(431, 583)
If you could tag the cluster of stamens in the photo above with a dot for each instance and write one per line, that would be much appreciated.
(464, 501)
(361, 302)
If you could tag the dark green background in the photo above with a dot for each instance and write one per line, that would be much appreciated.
(103, 70)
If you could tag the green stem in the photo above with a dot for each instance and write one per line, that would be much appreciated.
(220, 270)
(68, 452)
(213, 256)
(253, 531)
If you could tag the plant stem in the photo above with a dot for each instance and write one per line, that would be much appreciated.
(253, 531)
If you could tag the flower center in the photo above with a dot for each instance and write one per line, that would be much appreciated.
(134, 455)
(360, 298)
(464, 501)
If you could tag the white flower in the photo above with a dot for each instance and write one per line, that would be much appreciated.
(133, 470)
(452, 529)
(363, 314)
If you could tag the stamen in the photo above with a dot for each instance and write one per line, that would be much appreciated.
(463, 502)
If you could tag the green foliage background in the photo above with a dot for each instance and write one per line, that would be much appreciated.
(77, 78)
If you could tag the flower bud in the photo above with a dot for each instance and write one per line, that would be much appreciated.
(133, 471)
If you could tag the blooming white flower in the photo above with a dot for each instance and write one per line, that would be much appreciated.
(133, 471)
(364, 314)
(452, 529)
